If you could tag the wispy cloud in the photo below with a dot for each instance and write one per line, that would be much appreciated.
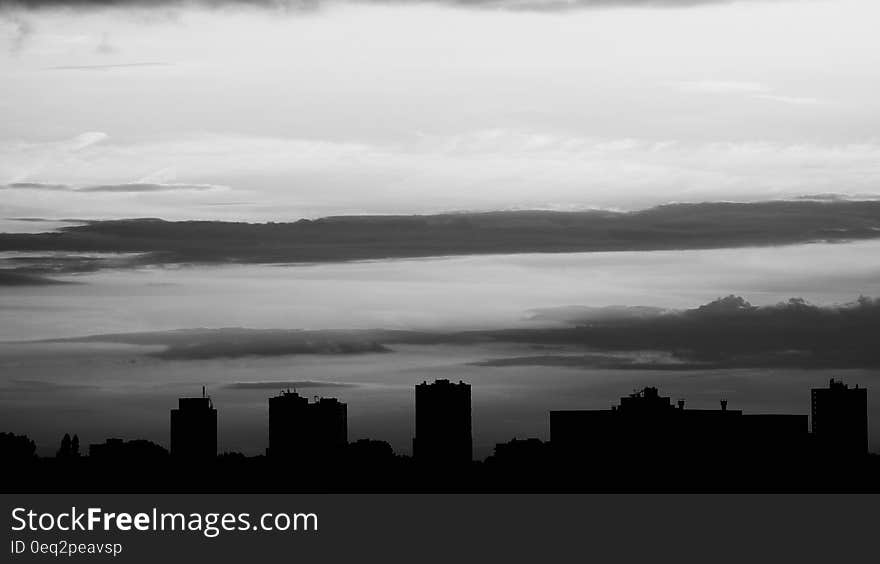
(82, 141)
(108, 66)
(21, 30)
(753, 90)
(141, 187)
(482, 169)
(34, 186)
(794, 100)
(723, 86)
(133, 187)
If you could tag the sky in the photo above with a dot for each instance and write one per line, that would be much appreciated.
(274, 110)
(263, 111)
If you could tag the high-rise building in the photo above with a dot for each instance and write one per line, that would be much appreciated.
(840, 419)
(443, 424)
(306, 431)
(194, 429)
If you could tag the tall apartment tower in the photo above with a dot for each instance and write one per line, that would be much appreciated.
(194, 429)
(443, 424)
(840, 419)
(303, 430)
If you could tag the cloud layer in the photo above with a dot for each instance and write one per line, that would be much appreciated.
(201, 344)
(530, 5)
(609, 109)
(347, 238)
(485, 169)
(726, 333)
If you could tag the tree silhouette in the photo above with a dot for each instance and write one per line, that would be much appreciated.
(66, 447)
(18, 448)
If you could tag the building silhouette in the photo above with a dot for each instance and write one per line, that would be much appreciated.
(194, 429)
(840, 419)
(647, 425)
(302, 430)
(646, 443)
(443, 424)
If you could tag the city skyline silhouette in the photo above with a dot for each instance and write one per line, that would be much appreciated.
(477, 245)
(309, 440)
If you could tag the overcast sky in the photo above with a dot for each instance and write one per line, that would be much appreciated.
(224, 110)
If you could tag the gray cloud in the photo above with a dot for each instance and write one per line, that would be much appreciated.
(203, 344)
(40, 386)
(21, 30)
(136, 187)
(307, 5)
(344, 238)
(34, 186)
(726, 333)
(12, 278)
(126, 188)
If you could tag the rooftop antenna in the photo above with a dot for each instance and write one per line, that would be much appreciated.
(203, 392)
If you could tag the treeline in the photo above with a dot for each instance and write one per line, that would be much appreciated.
(519, 466)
